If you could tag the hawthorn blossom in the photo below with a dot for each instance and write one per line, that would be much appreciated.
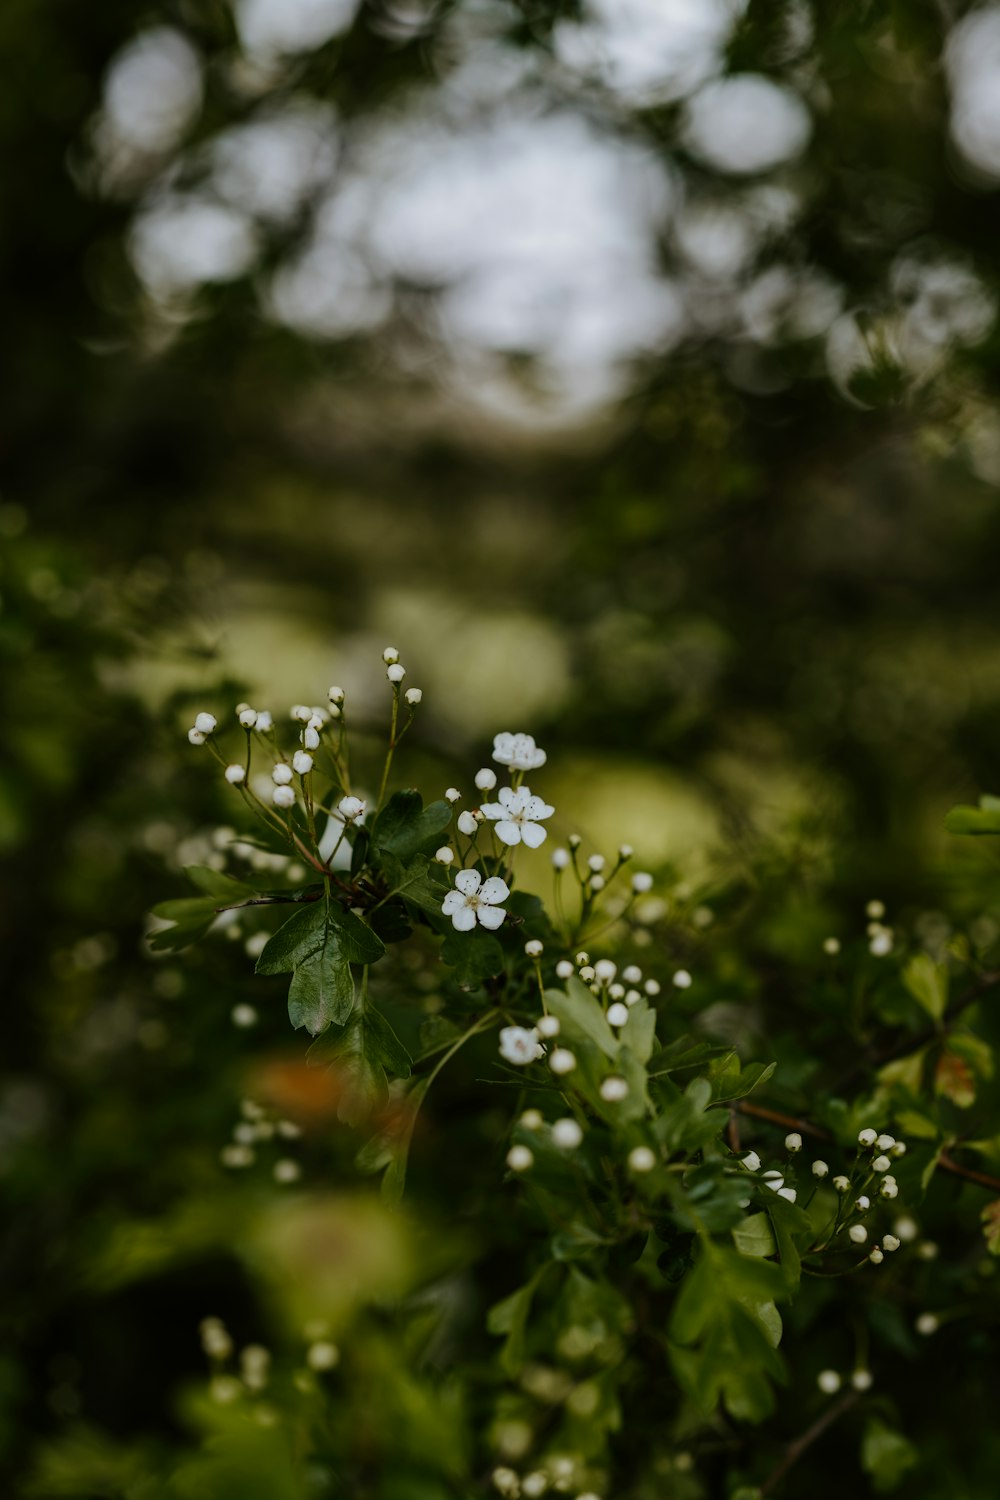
(518, 1045)
(475, 900)
(518, 816)
(518, 751)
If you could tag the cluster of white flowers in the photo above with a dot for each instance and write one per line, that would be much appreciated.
(254, 1128)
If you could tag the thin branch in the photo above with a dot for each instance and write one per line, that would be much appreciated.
(795, 1450)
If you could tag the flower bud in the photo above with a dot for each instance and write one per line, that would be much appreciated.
(641, 1159)
(519, 1158)
(828, 1382)
(881, 1164)
(336, 695)
(858, 1233)
(614, 1089)
(395, 673)
(560, 858)
(793, 1141)
(605, 970)
(842, 1184)
(862, 1380)
(547, 1026)
(533, 948)
(281, 774)
(820, 1168)
(632, 974)
(596, 862)
(235, 774)
(751, 1161)
(453, 794)
(890, 1242)
(302, 762)
(642, 882)
(875, 1256)
(566, 1134)
(283, 796)
(195, 737)
(205, 723)
(248, 717)
(486, 779)
(468, 824)
(413, 696)
(564, 969)
(390, 655)
(310, 737)
(350, 808)
(444, 855)
(562, 1060)
(532, 1119)
(682, 980)
(867, 1137)
(617, 1014)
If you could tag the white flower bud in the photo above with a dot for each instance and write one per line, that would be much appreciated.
(248, 717)
(884, 1142)
(875, 1256)
(862, 1380)
(632, 997)
(587, 973)
(205, 723)
(641, 882)
(632, 974)
(310, 738)
(682, 980)
(468, 824)
(625, 851)
(336, 695)
(390, 655)
(899, 1149)
(507, 1482)
(322, 1356)
(831, 945)
(773, 1180)
(858, 1233)
(283, 796)
(486, 779)
(605, 970)
(547, 1026)
(927, 1324)
(300, 712)
(641, 1159)
(927, 1250)
(564, 969)
(867, 1137)
(562, 1060)
(614, 1089)
(519, 1158)
(616, 991)
(444, 855)
(235, 774)
(286, 1170)
(652, 987)
(787, 1192)
(350, 808)
(582, 958)
(532, 1119)
(617, 1014)
(881, 944)
(597, 882)
(282, 774)
(888, 1187)
(751, 1161)
(890, 1242)
(302, 762)
(264, 721)
(566, 1134)
(243, 1016)
(534, 1484)
(793, 1141)
(413, 696)
(863, 1203)
(574, 841)
(881, 1164)
(560, 858)
(828, 1382)
(596, 862)
(842, 1184)
(820, 1168)
(195, 737)
(452, 794)
(906, 1229)
(395, 673)
(533, 948)
(876, 910)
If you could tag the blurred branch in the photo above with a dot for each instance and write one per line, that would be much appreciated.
(796, 1449)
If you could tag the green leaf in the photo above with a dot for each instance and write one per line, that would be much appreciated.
(927, 982)
(416, 880)
(191, 917)
(581, 1017)
(385, 1044)
(991, 1226)
(754, 1236)
(639, 1030)
(215, 883)
(321, 993)
(975, 820)
(686, 1052)
(475, 956)
(510, 1317)
(404, 826)
(788, 1220)
(318, 944)
(886, 1454)
(390, 1149)
(735, 1083)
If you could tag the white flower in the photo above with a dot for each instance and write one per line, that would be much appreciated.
(248, 717)
(641, 882)
(264, 721)
(560, 858)
(828, 1382)
(282, 774)
(350, 808)
(858, 1233)
(283, 796)
(881, 943)
(468, 824)
(564, 969)
(413, 696)
(614, 1089)
(616, 991)
(587, 973)
(395, 673)
(518, 1045)
(475, 900)
(906, 1228)
(682, 980)
(444, 855)
(820, 1168)
(566, 1134)
(452, 794)
(336, 695)
(632, 997)
(195, 737)
(641, 1159)
(302, 762)
(518, 751)
(310, 737)
(519, 1158)
(751, 1161)
(617, 1014)
(518, 816)
(561, 1060)
(793, 1141)
(235, 774)
(788, 1193)
(486, 779)
(205, 723)
(390, 655)
(548, 1026)
(866, 1137)
(533, 948)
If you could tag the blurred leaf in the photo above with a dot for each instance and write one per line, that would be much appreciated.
(581, 1017)
(754, 1236)
(976, 820)
(991, 1226)
(886, 1454)
(927, 982)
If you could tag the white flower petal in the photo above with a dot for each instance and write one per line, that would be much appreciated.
(509, 833)
(508, 798)
(532, 834)
(468, 882)
(454, 901)
(493, 811)
(465, 918)
(490, 916)
(538, 809)
(494, 890)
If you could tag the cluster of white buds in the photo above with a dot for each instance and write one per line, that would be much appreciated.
(203, 726)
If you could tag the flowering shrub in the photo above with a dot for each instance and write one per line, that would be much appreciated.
(668, 1240)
